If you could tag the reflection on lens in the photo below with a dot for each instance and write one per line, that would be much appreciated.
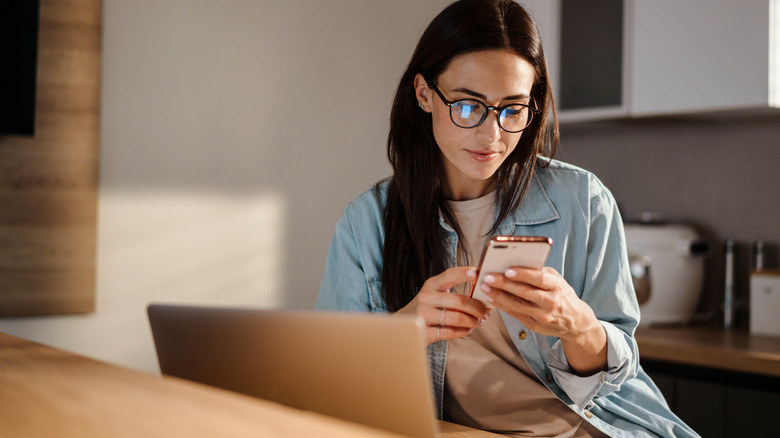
(471, 113)
(515, 118)
(467, 113)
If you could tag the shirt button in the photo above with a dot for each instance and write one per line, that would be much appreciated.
(588, 414)
(549, 378)
(522, 335)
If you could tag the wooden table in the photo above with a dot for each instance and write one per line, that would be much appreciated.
(712, 347)
(47, 392)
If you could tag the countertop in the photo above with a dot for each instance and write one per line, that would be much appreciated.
(711, 347)
(45, 391)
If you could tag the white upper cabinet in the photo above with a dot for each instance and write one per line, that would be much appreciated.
(618, 58)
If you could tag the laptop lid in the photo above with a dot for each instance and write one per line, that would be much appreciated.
(367, 368)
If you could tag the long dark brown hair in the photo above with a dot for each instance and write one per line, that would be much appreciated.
(415, 246)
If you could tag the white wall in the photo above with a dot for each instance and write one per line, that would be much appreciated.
(233, 134)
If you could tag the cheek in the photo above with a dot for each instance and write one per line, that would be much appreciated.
(447, 135)
(511, 140)
(441, 121)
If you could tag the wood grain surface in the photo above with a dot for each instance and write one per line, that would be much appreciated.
(49, 182)
(711, 347)
(50, 392)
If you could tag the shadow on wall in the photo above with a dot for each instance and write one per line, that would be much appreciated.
(232, 136)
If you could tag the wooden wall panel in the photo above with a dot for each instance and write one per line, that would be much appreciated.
(49, 182)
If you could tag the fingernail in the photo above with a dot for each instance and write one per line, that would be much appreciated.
(471, 273)
(487, 314)
(490, 278)
(485, 288)
(510, 273)
(482, 322)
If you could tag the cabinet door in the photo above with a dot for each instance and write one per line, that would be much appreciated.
(752, 412)
(702, 405)
(591, 54)
(584, 46)
(546, 15)
(697, 55)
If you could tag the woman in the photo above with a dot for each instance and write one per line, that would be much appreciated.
(468, 135)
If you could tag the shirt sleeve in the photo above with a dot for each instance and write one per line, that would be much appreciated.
(609, 291)
(583, 389)
(344, 286)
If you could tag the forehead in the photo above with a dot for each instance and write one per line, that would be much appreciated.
(494, 73)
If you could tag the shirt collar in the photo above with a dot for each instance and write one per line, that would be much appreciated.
(535, 208)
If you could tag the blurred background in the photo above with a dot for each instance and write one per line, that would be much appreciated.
(233, 133)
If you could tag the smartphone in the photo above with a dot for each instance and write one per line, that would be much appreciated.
(503, 252)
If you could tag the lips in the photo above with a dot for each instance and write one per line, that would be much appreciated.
(483, 155)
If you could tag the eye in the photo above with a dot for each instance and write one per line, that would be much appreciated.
(467, 109)
(515, 112)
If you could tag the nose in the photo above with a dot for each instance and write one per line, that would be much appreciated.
(489, 130)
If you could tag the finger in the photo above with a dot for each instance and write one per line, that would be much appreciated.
(455, 318)
(464, 305)
(451, 277)
(523, 310)
(446, 333)
(508, 301)
(471, 317)
(546, 278)
(525, 291)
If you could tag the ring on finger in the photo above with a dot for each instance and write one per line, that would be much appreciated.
(441, 318)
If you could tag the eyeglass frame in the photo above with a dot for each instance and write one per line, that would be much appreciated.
(498, 109)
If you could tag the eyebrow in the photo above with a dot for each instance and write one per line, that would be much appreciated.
(483, 97)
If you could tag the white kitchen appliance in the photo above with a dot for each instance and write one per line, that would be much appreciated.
(672, 259)
(765, 303)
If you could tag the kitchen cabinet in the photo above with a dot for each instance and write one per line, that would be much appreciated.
(719, 404)
(751, 412)
(630, 58)
(722, 383)
(702, 405)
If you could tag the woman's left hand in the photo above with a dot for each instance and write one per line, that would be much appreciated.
(544, 302)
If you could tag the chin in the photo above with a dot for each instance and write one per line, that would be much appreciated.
(481, 178)
(485, 174)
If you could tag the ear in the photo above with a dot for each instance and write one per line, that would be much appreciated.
(423, 94)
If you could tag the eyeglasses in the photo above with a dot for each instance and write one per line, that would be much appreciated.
(470, 113)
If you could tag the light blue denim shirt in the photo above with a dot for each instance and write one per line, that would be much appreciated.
(571, 206)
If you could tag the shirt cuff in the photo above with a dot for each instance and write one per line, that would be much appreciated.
(621, 365)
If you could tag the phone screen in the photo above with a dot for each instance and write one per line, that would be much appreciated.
(503, 252)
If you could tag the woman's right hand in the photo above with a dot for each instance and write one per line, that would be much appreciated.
(447, 315)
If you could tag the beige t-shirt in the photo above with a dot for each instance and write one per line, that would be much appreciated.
(487, 383)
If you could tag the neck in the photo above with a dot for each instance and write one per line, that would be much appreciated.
(472, 190)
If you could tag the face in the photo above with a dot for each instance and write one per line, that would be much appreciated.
(472, 156)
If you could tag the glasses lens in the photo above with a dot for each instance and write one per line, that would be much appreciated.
(467, 113)
(515, 118)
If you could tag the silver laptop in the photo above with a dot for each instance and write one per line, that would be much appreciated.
(367, 368)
